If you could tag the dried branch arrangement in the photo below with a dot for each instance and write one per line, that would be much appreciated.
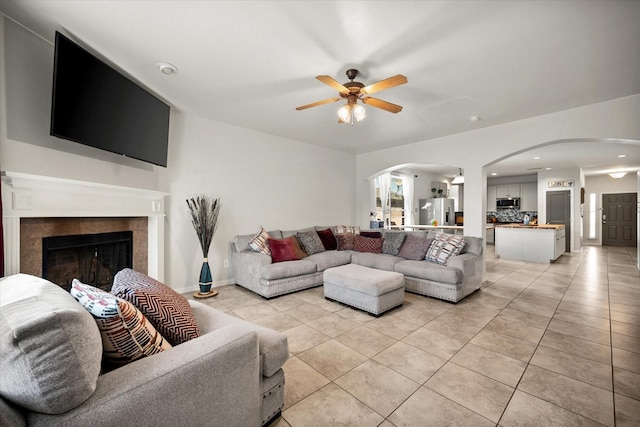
(205, 212)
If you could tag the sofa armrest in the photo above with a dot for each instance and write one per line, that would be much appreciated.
(213, 380)
(246, 268)
(466, 263)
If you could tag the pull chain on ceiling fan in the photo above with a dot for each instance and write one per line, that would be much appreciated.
(354, 91)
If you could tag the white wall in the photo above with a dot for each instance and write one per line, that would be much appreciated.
(474, 150)
(261, 180)
(604, 184)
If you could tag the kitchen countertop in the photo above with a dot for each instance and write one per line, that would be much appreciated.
(539, 227)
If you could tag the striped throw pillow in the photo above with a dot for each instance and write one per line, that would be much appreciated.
(444, 246)
(260, 242)
(168, 311)
(126, 334)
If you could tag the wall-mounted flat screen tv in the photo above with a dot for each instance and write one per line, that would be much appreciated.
(95, 105)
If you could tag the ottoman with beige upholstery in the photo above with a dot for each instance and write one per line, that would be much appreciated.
(368, 289)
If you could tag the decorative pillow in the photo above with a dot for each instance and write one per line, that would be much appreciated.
(392, 243)
(328, 239)
(168, 311)
(310, 242)
(368, 244)
(374, 234)
(50, 348)
(260, 243)
(444, 247)
(414, 247)
(287, 249)
(126, 334)
(344, 241)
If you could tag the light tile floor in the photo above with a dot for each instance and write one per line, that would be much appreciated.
(538, 345)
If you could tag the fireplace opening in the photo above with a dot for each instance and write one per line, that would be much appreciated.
(91, 258)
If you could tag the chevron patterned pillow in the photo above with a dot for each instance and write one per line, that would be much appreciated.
(126, 334)
(166, 309)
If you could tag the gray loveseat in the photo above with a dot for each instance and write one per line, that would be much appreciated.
(452, 282)
(50, 363)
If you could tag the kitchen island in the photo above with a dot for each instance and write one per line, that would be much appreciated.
(533, 243)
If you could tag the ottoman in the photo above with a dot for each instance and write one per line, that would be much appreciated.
(368, 289)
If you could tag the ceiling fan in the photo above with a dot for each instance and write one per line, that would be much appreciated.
(354, 91)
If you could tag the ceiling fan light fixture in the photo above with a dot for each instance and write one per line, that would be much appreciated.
(351, 113)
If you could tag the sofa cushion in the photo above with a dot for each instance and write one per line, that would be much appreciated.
(345, 241)
(328, 259)
(377, 261)
(328, 239)
(429, 271)
(368, 244)
(444, 246)
(393, 240)
(168, 311)
(260, 242)
(50, 347)
(286, 249)
(285, 269)
(310, 242)
(126, 334)
(414, 247)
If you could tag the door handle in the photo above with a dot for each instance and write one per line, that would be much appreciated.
(604, 219)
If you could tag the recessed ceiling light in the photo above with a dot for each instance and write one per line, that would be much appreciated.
(494, 173)
(547, 169)
(167, 68)
(474, 118)
(537, 158)
(622, 155)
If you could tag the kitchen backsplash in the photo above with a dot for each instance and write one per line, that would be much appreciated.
(510, 215)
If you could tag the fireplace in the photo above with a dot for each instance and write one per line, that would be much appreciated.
(35, 207)
(91, 258)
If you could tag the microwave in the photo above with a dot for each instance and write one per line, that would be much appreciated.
(508, 203)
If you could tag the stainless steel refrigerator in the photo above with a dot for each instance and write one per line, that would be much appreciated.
(439, 209)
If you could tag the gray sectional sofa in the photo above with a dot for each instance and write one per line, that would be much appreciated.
(461, 276)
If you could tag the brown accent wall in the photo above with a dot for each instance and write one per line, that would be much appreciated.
(32, 230)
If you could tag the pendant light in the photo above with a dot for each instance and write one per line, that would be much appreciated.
(458, 179)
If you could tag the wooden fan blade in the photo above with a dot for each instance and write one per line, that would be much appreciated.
(384, 84)
(333, 83)
(315, 104)
(379, 103)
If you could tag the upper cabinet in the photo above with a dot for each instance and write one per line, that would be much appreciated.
(511, 190)
(529, 197)
(491, 198)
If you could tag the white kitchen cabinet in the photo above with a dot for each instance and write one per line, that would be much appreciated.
(511, 190)
(529, 197)
(533, 244)
(491, 198)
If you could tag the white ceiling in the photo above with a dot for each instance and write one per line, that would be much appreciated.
(250, 63)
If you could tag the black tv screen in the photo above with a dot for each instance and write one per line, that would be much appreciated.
(95, 105)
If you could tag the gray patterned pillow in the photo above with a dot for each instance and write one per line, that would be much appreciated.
(415, 247)
(310, 242)
(392, 243)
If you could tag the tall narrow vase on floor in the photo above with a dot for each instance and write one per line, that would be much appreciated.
(204, 217)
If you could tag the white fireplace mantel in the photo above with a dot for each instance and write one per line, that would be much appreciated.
(35, 196)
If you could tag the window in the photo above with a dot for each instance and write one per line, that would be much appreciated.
(592, 215)
(396, 199)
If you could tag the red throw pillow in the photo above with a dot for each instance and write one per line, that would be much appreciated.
(368, 244)
(328, 239)
(374, 234)
(287, 249)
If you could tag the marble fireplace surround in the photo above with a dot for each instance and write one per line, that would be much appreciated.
(36, 196)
